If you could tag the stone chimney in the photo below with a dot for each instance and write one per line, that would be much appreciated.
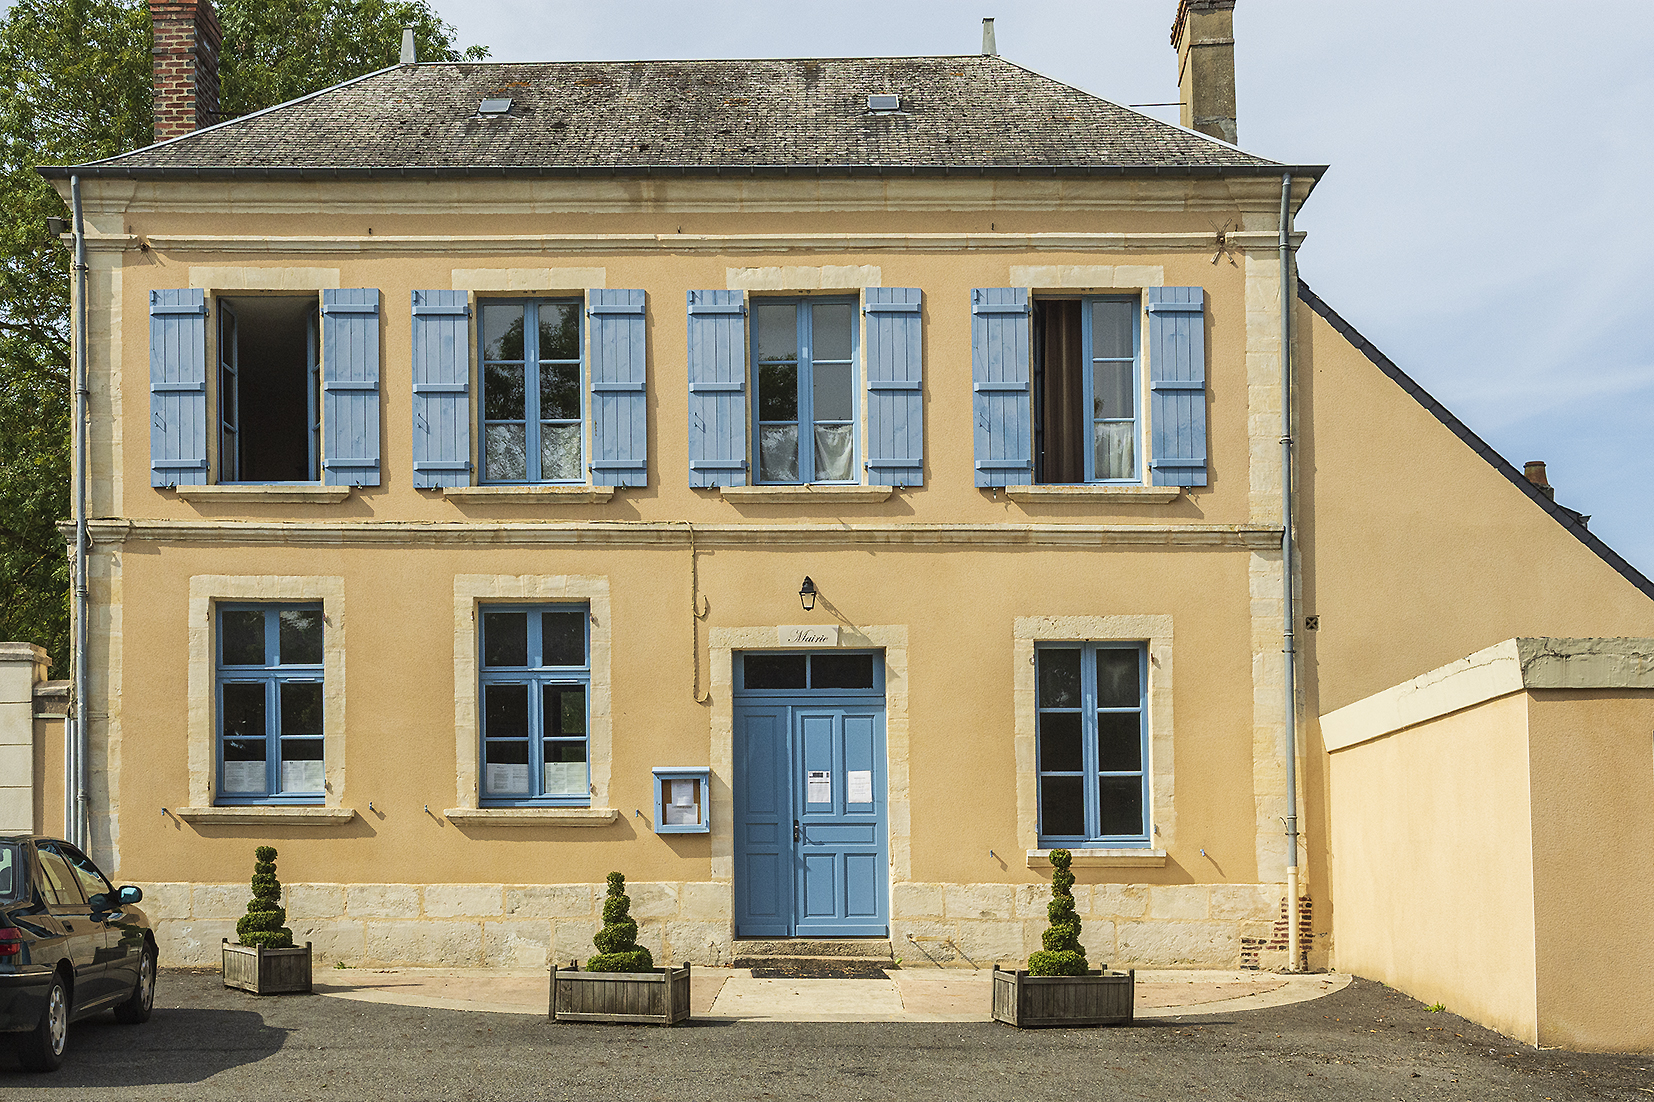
(186, 66)
(1534, 471)
(1204, 37)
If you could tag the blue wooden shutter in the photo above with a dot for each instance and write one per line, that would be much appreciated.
(1001, 403)
(619, 406)
(441, 389)
(177, 388)
(350, 387)
(717, 389)
(1177, 386)
(895, 380)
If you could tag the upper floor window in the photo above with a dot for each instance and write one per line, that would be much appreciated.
(1086, 382)
(1092, 740)
(269, 389)
(532, 421)
(269, 703)
(536, 677)
(805, 380)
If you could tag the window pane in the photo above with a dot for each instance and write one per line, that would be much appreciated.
(243, 636)
(778, 453)
(505, 711)
(502, 388)
(1062, 807)
(778, 392)
(1111, 390)
(1111, 328)
(505, 638)
(559, 331)
(1059, 677)
(560, 392)
(301, 708)
(830, 331)
(841, 671)
(777, 328)
(301, 637)
(563, 638)
(244, 768)
(773, 671)
(505, 768)
(835, 453)
(1117, 677)
(564, 710)
(565, 769)
(60, 883)
(91, 880)
(833, 391)
(244, 709)
(505, 453)
(502, 332)
(1060, 749)
(1115, 442)
(560, 452)
(301, 765)
(1119, 742)
(1120, 805)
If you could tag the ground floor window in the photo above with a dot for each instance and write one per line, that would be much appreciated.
(269, 703)
(536, 678)
(1092, 744)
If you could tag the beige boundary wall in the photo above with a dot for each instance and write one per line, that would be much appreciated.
(1493, 839)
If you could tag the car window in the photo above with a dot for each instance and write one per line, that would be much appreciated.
(11, 872)
(92, 882)
(59, 886)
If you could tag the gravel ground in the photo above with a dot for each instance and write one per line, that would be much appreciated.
(1365, 1042)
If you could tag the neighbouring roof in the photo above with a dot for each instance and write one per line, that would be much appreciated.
(965, 115)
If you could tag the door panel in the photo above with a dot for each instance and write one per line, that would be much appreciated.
(763, 823)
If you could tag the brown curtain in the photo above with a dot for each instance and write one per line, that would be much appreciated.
(1062, 394)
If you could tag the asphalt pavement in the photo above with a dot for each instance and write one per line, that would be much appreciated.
(1362, 1042)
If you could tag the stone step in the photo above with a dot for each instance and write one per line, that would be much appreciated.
(858, 948)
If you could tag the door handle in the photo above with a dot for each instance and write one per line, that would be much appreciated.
(798, 832)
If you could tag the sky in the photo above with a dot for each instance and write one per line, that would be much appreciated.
(1479, 223)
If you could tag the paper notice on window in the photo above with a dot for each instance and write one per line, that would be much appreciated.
(507, 779)
(820, 787)
(564, 778)
(858, 786)
(301, 776)
(243, 776)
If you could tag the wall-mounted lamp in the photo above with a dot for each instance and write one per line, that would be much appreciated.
(57, 227)
(807, 594)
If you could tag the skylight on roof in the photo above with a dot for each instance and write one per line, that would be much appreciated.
(885, 101)
(495, 105)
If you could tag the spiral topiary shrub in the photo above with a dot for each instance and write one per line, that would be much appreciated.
(617, 947)
(1063, 954)
(262, 924)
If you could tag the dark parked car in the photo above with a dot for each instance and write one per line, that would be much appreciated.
(71, 945)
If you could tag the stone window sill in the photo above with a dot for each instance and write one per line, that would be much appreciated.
(793, 495)
(1103, 858)
(531, 816)
(529, 495)
(268, 815)
(1113, 495)
(315, 494)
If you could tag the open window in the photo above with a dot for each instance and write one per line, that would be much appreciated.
(269, 389)
(1085, 390)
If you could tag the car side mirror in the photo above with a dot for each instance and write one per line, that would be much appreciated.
(131, 894)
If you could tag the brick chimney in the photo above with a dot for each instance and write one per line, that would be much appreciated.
(186, 66)
(1204, 37)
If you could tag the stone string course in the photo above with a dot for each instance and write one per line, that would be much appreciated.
(523, 926)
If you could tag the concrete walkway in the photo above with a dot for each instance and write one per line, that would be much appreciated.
(908, 995)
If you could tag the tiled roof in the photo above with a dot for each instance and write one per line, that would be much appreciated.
(967, 114)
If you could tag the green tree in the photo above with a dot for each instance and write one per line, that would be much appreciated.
(75, 87)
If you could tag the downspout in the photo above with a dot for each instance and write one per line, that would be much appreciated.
(1294, 951)
(75, 812)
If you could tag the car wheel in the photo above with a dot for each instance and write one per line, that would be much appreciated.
(137, 1008)
(41, 1049)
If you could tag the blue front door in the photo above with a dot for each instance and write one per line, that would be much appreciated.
(811, 857)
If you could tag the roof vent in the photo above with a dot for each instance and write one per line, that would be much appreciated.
(495, 105)
(883, 102)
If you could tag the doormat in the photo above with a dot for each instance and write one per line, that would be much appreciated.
(820, 970)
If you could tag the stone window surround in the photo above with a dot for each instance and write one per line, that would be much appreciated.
(472, 590)
(206, 590)
(1156, 632)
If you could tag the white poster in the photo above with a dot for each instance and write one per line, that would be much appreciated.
(680, 809)
(564, 778)
(507, 778)
(683, 793)
(301, 776)
(820, 787)
(858, 786)
(243, 776)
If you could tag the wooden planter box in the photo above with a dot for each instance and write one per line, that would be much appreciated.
(267, 971)
(1096, 998)
(657, 997)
